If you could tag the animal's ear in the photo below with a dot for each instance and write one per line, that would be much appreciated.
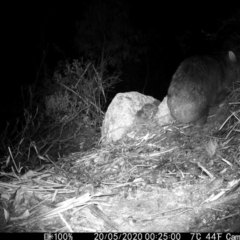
(232, 56)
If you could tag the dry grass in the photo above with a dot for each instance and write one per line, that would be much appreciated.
(73, 193)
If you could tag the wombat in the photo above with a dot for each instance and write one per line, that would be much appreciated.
(199, 83)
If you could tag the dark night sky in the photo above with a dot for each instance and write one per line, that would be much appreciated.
(27, 26)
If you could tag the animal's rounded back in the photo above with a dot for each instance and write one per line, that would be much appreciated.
(199, 83)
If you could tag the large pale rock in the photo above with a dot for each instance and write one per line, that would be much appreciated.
(128, 107)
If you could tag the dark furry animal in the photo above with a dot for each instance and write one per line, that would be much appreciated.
(149, 110)
(199, 83)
